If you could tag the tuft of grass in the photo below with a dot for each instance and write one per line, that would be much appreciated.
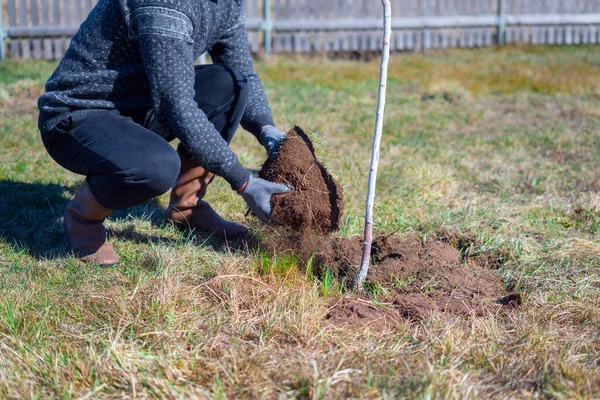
(493, 149)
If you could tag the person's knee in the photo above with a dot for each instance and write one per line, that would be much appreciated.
(158, 173)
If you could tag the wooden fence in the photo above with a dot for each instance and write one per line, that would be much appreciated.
(42, 28)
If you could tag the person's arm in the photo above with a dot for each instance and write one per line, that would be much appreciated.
(232, 49)
(166, 46)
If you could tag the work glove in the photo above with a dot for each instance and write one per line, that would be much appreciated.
(271, 138)
(257, 194)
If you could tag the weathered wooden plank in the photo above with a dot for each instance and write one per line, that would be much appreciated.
(317, 41)
(576, 35)
(397, 41)
(306, 40)
(58, 48)
(489, 36)
(67, 12)
(593, 34)
(410, 40)
(296, 9)
(551, 35)
(48, 49)
(418, 40)
(568, 34)
(470, 38)
(328, 41)
(12, 13)
(585, 35)
(277, 44)
(363, 41)
(288, 43)
(253, 9)
(426, 35)
(56, 20)
(336, 42)
(436, 39)
(26, 49)
(78, 12)
(454, 37)
(508, 35)
(37, 49)
(479, 37)
(254, 41)
(14, 48)
(374, 42)
(34, 12)
(534, 35)
(345, 36)
(462, 39)
(45, 10)
(89, 5)
(560, 35)
(297, 42)
(23, 13)
(525, 35)
(444, 39)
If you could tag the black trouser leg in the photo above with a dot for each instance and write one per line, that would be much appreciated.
(124, 162)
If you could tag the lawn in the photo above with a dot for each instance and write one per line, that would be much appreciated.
(499, 147)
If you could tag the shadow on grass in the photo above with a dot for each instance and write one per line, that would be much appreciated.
(31, 217)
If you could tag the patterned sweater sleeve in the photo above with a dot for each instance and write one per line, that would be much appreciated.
(232, 49)
(166, 48)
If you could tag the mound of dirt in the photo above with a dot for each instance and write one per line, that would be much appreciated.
(317, 202)
(414, 278)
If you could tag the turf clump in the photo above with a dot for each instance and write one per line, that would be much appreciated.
(317, 203)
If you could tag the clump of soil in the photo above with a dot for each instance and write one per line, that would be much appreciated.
(317, 202)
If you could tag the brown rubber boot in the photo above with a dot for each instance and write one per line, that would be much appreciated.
(187, 209)
(83, 224)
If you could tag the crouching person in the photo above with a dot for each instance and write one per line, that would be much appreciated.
(127, 86)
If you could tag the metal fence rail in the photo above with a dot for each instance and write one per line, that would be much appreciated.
(42, 28)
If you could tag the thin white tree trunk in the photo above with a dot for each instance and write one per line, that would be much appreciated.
(368, 234)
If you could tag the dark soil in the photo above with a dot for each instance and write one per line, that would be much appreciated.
(317, 202)
(415, 278)
(410, 278)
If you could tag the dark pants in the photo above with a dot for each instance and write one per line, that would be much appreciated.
(127, 158)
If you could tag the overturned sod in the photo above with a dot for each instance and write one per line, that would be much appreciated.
(317, 202)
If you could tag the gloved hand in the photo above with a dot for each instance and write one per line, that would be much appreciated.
(271, 138)
(257, 194)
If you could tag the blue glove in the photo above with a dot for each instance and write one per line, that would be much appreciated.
(257, 194)
(271, 138)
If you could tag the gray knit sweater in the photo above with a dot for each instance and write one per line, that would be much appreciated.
(134, 55)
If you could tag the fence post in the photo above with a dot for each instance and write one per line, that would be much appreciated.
(267, 26)
(501, 21)
(3, 36)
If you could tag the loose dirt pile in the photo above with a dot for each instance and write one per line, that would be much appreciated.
(415, 278)
(410, 277)
(317, 203)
